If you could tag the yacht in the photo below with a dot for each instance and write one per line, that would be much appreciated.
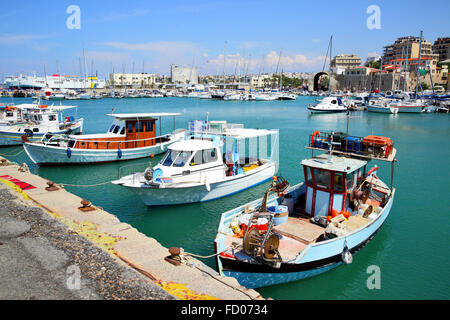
(328, 105)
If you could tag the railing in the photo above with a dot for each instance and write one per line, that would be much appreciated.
(71, 142)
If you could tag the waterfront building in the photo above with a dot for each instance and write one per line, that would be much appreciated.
(183, 74)
(132, 80)
(341, 62)
(259, 81)
(408, 47)
(442, 47)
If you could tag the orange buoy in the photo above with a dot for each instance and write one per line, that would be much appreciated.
(313, 137)
(329, 218)
(346, 214)
(151, 155)
(334, 213)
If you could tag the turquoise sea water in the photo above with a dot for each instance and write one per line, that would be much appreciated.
(411, 249)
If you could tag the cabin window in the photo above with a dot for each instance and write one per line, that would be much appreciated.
(349, 181)
(116, 129)
(308, 176)
(130, 128)
(122, 131)
(182, 158)
(148, 126)
(112, 127)
(204, 156)
(52, 117)
(140, 127)
(333, 101)
(322, 178)
(9, 114)
(339, 182)
(35, 129)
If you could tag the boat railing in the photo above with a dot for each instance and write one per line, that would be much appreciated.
(71, 141)
(132, 169)
(352, 146)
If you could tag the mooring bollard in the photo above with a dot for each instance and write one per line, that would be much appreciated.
(86, 206)
(51, 186)
(174, 257)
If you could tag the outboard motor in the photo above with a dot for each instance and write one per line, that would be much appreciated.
(148, 174)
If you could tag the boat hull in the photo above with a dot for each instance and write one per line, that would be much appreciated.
(8, 138)
(391, 110)
(315, 259)
(152, 196)
(313, 110)
(49, 155)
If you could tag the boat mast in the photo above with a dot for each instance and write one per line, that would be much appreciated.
(406, 67)
(329, 73)
(418, 63)
(400, 68)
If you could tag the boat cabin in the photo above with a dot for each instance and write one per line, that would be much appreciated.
(329, 180)
(133, 130)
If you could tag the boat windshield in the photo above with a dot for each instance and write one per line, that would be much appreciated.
(169, 158)
(182, 158)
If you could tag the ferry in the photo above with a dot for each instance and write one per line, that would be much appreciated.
(31, 121)
(210, 163)
(55, 81)
(131, 136)
(296, 232)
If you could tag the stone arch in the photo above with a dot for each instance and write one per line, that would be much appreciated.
(316, 80)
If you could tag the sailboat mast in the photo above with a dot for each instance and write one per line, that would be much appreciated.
(418, 64)
(406, 67)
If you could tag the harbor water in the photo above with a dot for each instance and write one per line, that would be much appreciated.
(410, 250)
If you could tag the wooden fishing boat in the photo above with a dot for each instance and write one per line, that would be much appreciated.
(309, 228)
(131, 136)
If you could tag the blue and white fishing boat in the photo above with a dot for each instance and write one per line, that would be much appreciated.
(309, 228)
(131, 136)
(32, 121)
(216, 159)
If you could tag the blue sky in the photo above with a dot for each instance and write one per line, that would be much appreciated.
(153, 34)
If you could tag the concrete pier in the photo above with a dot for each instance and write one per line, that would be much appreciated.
(127, 259)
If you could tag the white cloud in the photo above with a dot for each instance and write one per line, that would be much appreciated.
(114, 16)
(287, 62)
(14, 39)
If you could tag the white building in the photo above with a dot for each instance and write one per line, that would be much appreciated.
(341, 62)
(181, 74)
(134, 80)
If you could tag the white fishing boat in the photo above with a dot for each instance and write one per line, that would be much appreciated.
(265, 96)
(32, 121)
(328, 105)
(131, 136)
(287, 96)
(232, 96)
(309, 228)
(212, 162)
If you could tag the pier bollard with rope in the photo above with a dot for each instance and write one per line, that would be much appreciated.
(86, 206)
(51, 186)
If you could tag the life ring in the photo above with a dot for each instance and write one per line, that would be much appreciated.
(313, 137)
